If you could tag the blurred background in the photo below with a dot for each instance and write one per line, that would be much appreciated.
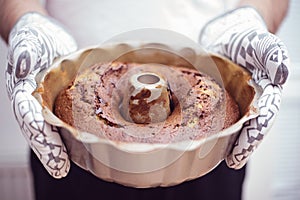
(272, 170)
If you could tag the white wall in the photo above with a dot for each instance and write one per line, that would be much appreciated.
(13, 148)
(273, 169)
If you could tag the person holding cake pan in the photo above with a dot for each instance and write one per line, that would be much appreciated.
(35, 35)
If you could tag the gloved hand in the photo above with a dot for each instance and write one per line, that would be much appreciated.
(241, 35)
(33, 43)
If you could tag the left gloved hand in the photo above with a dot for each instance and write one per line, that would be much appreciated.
(241, 35)
(34, 42)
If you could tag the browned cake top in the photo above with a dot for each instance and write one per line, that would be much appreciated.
(92, 103)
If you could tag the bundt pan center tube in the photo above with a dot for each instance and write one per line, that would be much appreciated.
(148, 100)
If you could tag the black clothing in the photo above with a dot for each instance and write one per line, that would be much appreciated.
(221, 183)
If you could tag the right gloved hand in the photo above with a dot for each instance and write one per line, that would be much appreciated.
(242, 36)
(33, 43)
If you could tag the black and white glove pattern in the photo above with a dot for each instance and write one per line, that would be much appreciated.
(33, 43)
(241, 35)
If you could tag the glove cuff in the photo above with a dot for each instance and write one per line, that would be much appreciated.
(25, 20)
(236, 20)
(43, 22)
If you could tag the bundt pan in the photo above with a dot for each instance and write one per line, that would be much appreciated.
(145, 165)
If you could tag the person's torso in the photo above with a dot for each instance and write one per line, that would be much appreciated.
(92, 22)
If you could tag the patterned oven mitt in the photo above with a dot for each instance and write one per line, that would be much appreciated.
(34, 42)
(242, 36)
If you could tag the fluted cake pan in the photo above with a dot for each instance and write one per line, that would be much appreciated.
(139, 164)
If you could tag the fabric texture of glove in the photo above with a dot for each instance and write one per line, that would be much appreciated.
(241, 35)
(34, 42)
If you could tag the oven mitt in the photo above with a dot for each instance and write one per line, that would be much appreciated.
(241, 35)
(33, 43)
